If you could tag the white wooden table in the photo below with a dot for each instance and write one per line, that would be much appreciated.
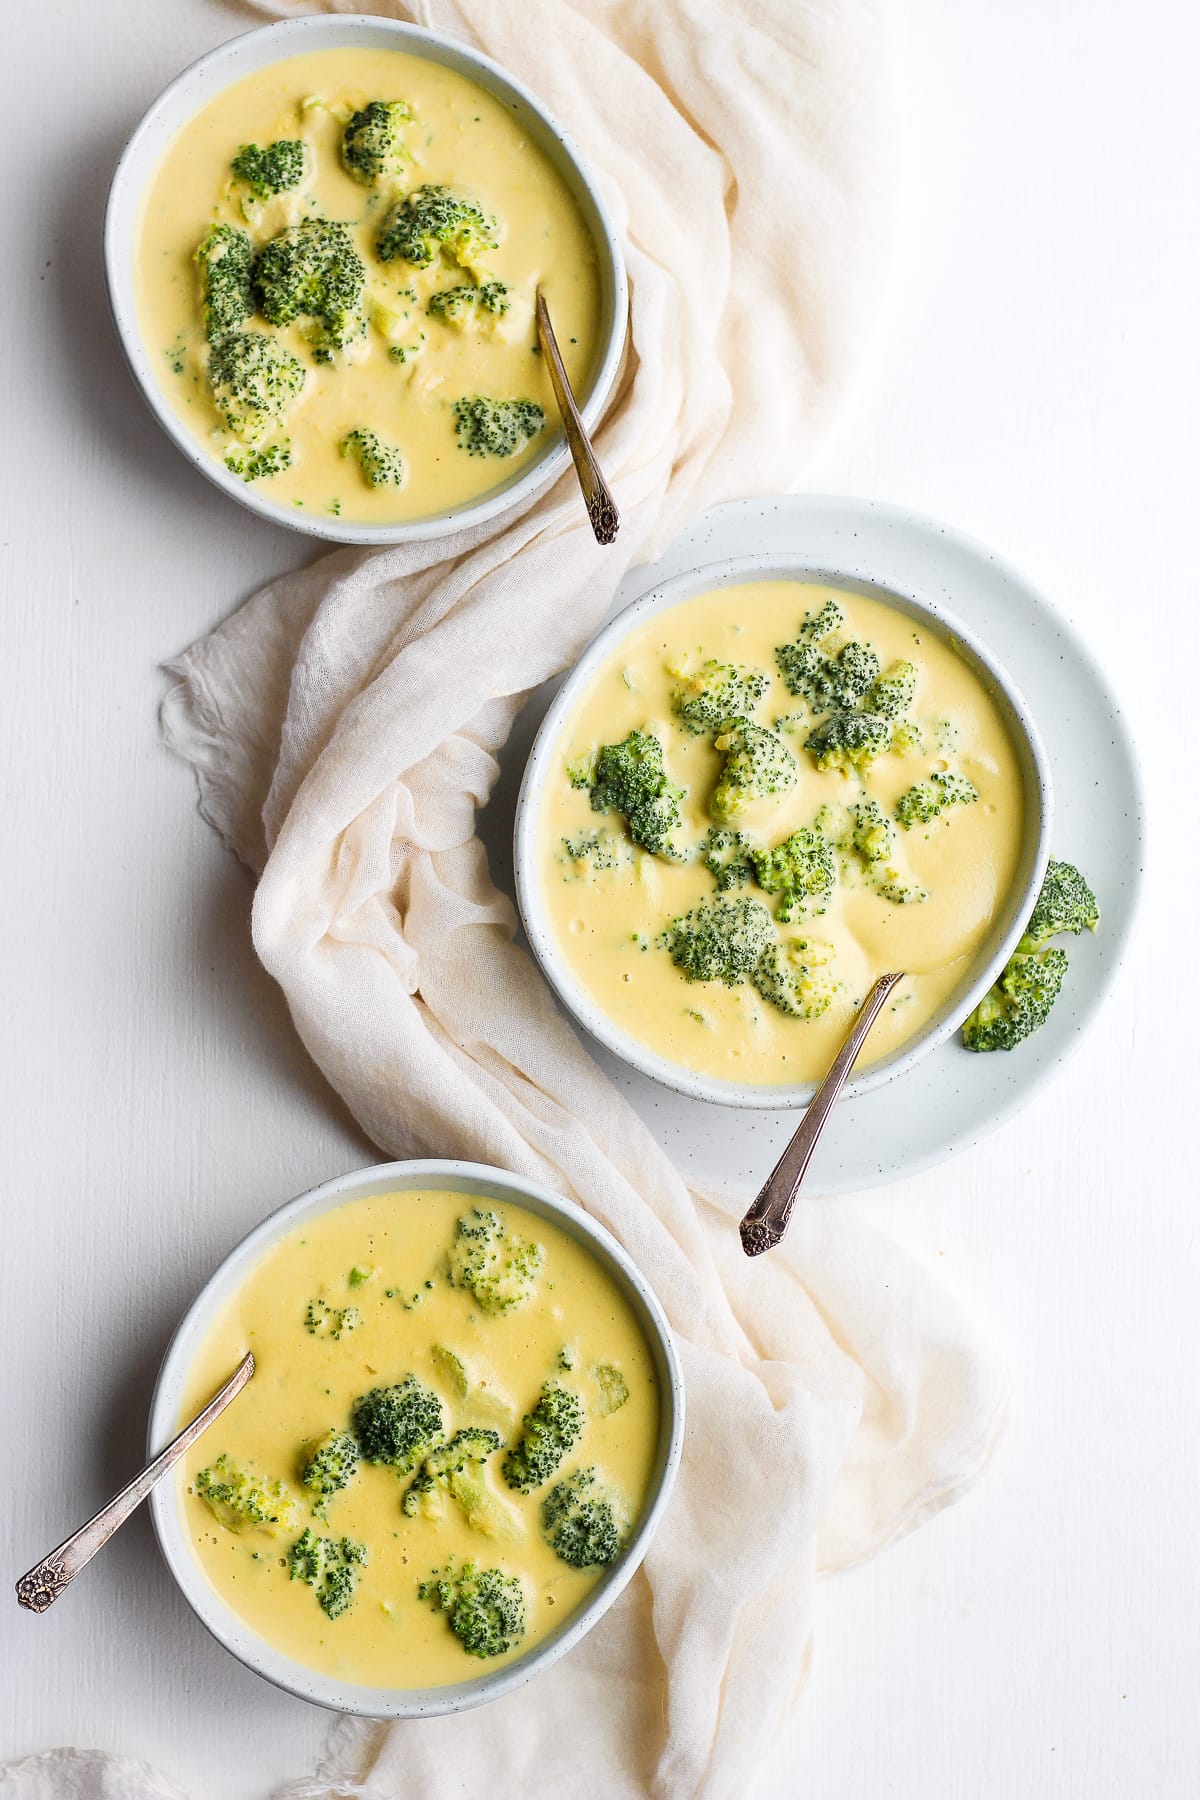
(1040, 387)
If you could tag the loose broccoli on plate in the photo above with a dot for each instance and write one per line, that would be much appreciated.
(398, 1425)
(485, 1608)
(373, 146)
(548, 1433)
(495, 1265)
(254, 380)
(435, 221)
(631, 778)
(382, 464)
(272, 171)
(1020, 1001)
(311, 272)
(487, 427)
(757, 765)
(584, 1524)
(719, 940)
(243, 1501)
(225, 259)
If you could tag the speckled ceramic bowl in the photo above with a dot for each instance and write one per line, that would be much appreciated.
(232, 1631)
(1000, 941)
(228, 63)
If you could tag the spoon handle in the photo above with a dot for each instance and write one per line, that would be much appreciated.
(601, 507)
(42, 1585)
(767, 1219)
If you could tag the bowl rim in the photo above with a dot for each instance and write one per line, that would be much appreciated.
(220, 1620)
(735, 571)
(344, 31)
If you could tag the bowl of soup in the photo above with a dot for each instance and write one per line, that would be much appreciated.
(461, 1433)
(764, 785)
(322, 246)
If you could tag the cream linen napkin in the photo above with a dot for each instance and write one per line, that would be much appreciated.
(344, 727)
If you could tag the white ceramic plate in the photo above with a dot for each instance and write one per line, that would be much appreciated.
(232, 1631)
(952, 1098)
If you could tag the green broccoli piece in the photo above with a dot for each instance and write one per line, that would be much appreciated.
(801, 870)
(323, 1320)
(599, 848)
(719, 940)
(382, 464)
(469, 304)
(485, 1607)
(848, 740)
(254, 380)
(492, 1263)
(893, 692)
(435, 221)
(273, 170)
(1020, 1001)
(486, 427)
(309, 1557)
(891, 885)
(612, 1389)
(548, 1433)
(582, 1521)
(452, 1369)
(312, 272)
(327, 1566)
(716, 694)
(225, 259)
(373, 142)
(757, 764)
(329, 1465)
(630, 778)
(242, 1501)
(872, 836)
(791, 976)
(925, 800)
(726, 855)
(256, 465)
(823, 680)
(455, 1470)
(398, 1425)
(568, 1356)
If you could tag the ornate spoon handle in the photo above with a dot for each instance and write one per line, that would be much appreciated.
(601, 507)
(767, 1219)
(43, 1584)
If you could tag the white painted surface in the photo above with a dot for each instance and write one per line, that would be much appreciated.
(1040, 388)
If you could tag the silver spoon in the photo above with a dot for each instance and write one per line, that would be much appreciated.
(42, 1585)
(767, 1219)
(597, 495)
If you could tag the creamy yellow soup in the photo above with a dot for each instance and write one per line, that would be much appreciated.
(401, 377)
(362, 1298)
(612, 904)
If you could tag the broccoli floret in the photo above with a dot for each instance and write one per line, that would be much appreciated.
(456, 1470)
(452, 1369)
(486, 427)
(1066, 903)
(612, 1389)
(433, 221)
(548, 1433)
(893, 692)
(323, 1320)
(891, 885)
(312, 272)
(726, 855)
(485, 1607)
(581, 1521)
(757, 765)
(469, 304)
(630, 778)
(872, 834)
(254, 380)
(382, 464)
(827, 681)
(491, 1262)
(273, 170)
(599, 848)
(255, 465)
(716, 693)
(848, 740)
(329, 1567)
(242, 1501)
(398, 1425)
(373, 141)
(907, 738)
(568, 1356)
(225, 259)
(925, 800)
(1031, 980)
(792, 977)
(800, 870)
(719, 940)
(329, 1465)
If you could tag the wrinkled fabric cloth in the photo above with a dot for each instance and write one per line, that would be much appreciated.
(344, 728)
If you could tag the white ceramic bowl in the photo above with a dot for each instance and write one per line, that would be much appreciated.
(232, 1631)
(228, 63)
(995, 951)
